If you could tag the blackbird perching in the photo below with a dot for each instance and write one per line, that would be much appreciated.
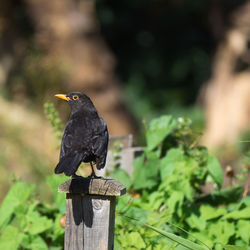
(85, 137)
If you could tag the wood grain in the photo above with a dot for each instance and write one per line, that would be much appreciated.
(95, 186)
(90, 213)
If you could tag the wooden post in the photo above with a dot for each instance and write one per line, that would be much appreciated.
(90, 212)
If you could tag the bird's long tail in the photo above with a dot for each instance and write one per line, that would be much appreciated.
(69, 164)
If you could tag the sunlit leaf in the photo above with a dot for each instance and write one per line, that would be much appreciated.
(17, 195)
(239, 214)
(209, 212)
(10, 238)
(243, 231)
(215, 170)
(196, 222)
(158, 130)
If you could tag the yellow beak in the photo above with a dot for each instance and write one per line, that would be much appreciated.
(64, 97)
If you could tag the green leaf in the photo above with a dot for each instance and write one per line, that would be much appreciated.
(244, 202)
(203, 237)
(136, 240)
(209, 212)
(223, 196)
(176, 198)
(156, 199)
(239, 214)
(145, 174)
(54, 181)
(222, 231)
(230, 247)
(196, 222)
(10, 238)
(38, 243)
(122, 176)
(215, 170)
(243, 231)
(36, 223)
(58, 230)
(158, 130)
(17, 195)
(184, 242)
(173, 159)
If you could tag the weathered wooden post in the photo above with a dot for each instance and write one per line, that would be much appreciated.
(90, 212)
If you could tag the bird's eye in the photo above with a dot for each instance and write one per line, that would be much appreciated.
(75, 97)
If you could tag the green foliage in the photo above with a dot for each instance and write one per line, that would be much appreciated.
(33, 224)
(165, 207)
(166, 190)
(53, 117)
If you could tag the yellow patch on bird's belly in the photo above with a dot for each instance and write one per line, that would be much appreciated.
(84, 169)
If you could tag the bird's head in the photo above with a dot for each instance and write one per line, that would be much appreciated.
(78, 102)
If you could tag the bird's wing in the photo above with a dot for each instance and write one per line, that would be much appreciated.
(71, 153)
(100, 143)
(71, 140)
(69, 163)
(66, 139)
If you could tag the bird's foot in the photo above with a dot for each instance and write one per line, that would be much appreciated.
(94, 176)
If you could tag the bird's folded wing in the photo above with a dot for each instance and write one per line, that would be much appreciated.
(69, 163)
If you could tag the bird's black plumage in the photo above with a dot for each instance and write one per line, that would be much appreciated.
(85, 137)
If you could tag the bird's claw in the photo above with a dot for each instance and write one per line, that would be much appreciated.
(94, 176)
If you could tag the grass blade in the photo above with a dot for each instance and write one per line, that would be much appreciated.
(184, 242)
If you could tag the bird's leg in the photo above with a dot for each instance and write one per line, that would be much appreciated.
(93, 175)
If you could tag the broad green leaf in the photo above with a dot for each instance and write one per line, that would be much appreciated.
(215, 170)
(238, 214)
(223, 196)
(37, 223)
(123, 203)
(10, 238)
(145, 174)
(21, 215)
(243, 231)
(38, 243)
(209, 212)
(16, 196)
(173, 159)
(203, 237)
(156, 199)
(158, 130)
(122, 176)
(244, 202)
(222, 231)
(176, 198)
(54, 181)
(135, 212)
(136, 240)
(196, 222)
(230, 247)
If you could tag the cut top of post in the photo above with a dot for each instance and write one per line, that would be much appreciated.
(93, 186)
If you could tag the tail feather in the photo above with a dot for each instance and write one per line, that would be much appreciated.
(69, 164)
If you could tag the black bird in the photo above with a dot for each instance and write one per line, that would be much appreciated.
(85, 137)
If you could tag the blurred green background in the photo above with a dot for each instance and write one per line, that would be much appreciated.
(137, 59)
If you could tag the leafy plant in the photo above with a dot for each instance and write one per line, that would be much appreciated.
(33, 224)
(53, 117)
(165, 207)
(167, 189)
